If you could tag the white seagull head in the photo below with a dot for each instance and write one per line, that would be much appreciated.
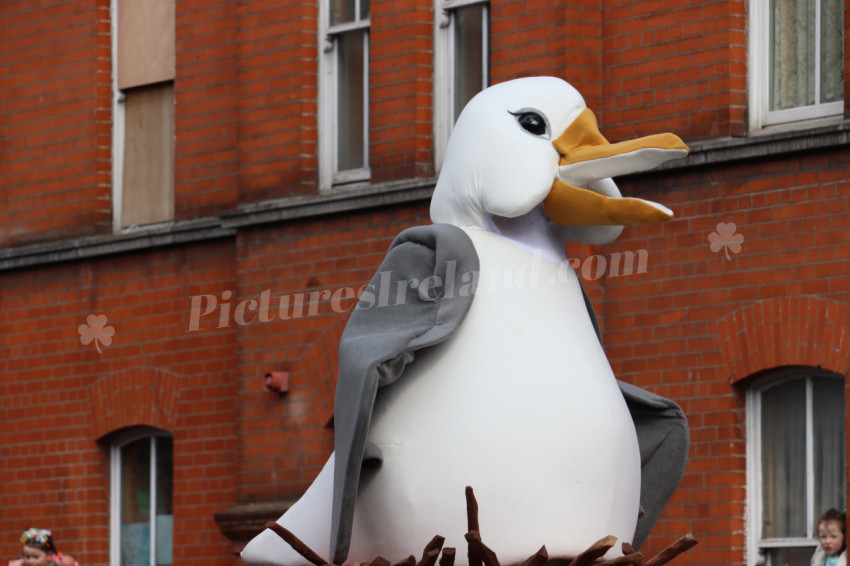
(526, 160)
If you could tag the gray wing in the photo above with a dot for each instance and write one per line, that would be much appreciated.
(663, 439)
(418, 297)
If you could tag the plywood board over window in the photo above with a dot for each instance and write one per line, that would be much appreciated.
(148, 179)
(145, 42)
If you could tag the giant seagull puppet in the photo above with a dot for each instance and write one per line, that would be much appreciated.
(510, 391)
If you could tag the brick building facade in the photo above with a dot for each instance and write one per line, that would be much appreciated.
(115, 331)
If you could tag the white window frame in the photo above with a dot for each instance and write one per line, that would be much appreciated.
(754, 456)
(444, 68)
(118, 121)
(758, 56)
(115, 490)
(329, 173)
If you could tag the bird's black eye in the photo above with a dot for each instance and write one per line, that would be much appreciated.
(532, 122)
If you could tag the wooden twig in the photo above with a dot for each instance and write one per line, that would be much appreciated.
(631, 559)
(672, 551)
(448, 557)
(477, 549)
(305, 551)
(429, 558)
(594, 551)
(471, 524)
(539, 558)
(480, 555)
(431, 552)
(435, 544)
(471, 511)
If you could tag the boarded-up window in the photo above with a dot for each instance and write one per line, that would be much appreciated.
(145, 42)
(145, 75)
(148, 176)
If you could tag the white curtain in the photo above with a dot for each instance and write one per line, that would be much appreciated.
(794, 28)
(828, 423)
(832, 50)
(783, 441)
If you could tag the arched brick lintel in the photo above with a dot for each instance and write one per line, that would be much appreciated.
(134, 397)
(806, 331)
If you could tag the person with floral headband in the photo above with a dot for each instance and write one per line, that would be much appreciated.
(38, 549)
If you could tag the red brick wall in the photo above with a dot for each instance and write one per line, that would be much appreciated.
(54, 119)
(277, 90)
(401, 64)
(669, 67)
(206, 113)
(540, 38)
(59, 396)
(643, 67)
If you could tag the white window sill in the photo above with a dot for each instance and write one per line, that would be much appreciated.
(798, 125)
(351, 177)
(787, 542)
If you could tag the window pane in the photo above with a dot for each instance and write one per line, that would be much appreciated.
(342, 11)
(350, 100)
(135, 503)
(164, 513)
(832, 51)
(828, 422)
(783, 441)
(792, 57)
(469, 54)
(364, 9)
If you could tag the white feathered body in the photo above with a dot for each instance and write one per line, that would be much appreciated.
(521, 404)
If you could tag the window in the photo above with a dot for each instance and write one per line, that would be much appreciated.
(143, 109)
(141, 499)
(345, 73)
(796, 60)
(462, 62)
(795, 462)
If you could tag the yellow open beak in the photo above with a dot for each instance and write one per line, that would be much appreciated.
(587, 156)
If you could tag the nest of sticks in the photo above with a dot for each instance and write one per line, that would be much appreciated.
(479, 554)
